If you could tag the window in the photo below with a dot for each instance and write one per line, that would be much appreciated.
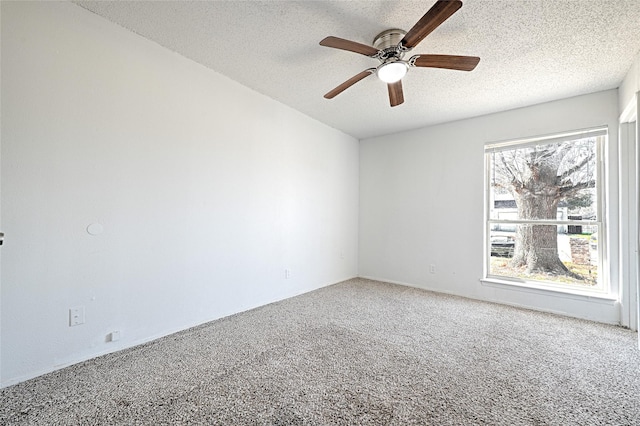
(544, 212)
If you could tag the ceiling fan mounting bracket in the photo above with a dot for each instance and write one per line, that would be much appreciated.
(389, 46)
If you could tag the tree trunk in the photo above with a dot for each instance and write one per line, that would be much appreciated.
(539, 178)
(536, 246)
(537, 249)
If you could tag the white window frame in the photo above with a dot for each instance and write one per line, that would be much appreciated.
(604, 289)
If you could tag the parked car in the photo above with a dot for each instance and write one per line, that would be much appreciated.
(502, 245)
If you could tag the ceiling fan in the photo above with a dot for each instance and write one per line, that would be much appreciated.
(390, 46)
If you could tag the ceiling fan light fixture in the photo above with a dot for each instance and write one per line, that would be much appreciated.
(392, 72)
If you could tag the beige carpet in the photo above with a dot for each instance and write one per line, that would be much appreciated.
(356, 353)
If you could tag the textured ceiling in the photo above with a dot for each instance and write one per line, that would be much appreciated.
(531, 51)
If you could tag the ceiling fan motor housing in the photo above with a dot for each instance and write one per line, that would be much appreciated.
(388, 42)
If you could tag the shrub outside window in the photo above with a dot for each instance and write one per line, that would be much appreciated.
(544, 211)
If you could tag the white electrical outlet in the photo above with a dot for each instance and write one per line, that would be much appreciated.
(114, 336)
(432, 268)
(76, 316)
(287, 273)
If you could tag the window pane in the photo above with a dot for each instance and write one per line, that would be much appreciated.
(545, 253)
(550, 179)
(545, 181)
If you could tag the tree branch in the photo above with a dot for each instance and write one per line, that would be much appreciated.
(577, 167)
(511, 172)
(564, 191)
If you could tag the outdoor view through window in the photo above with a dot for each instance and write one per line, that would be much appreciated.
(543, 211)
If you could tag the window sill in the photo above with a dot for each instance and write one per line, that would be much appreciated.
(551, 290)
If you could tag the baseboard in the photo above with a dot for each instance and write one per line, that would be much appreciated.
(498, 301)
(138, 342)
(406, 284)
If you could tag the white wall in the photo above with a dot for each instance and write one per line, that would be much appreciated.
(628, 252)
(629, 87)
(422, 202)
(206, 191)
(628, 101)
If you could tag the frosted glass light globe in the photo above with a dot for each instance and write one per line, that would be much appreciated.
(392, 71)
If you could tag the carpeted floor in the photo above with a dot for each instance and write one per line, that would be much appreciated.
(356, 353)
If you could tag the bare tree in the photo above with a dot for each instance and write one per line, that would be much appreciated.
(539, 178)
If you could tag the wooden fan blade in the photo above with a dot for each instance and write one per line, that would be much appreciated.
(396, 97)
(353, 80)
(351, 46)
(451, 62)
(431, 20)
